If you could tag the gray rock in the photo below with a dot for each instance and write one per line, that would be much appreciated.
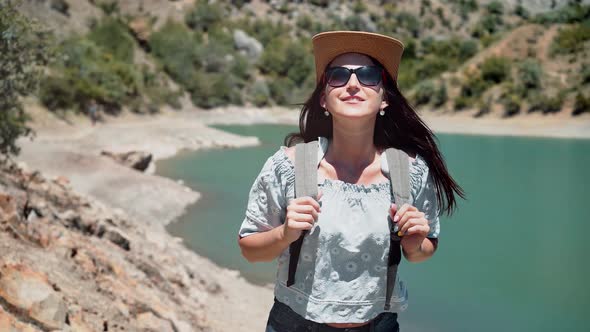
(248, 45)
(138, 160)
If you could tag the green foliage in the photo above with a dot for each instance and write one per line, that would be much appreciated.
(440, 96)
(571, 39)
(281, 89)
(519, 10)
(495, 8)
(530, 74)
(214, 89)
(263, 30)
(465, 7)
(87, 72)
(259, 94)
(204, 15)
(585, 73)
(109, 7)
(455, 49)
(174, 47)
(495, 69)
(511, 103)
(320, 3)
(425, 90)
(409, 22)
(286, 58)
(581, 104)
(573, 12)
(61, 6)
(359, 7)
(547, 104)
(112, 36)
(24, 49)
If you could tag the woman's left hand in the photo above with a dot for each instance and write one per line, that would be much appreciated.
(412, 226)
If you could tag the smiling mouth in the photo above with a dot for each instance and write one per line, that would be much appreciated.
(353, 99)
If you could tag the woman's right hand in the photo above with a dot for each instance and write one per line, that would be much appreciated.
(302, 213)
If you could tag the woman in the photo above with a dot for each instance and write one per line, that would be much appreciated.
(355, 113)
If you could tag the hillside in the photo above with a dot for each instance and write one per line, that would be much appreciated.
(499, 58)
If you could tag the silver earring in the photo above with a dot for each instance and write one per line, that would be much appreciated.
(382, 112)
(326, 113)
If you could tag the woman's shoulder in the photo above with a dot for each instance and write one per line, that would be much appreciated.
(279, 165)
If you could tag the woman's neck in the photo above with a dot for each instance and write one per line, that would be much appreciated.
(352, 147)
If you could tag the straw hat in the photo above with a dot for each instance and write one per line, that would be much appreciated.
(328, 45)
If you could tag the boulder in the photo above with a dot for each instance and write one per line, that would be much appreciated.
(31, 292)
(138, 160)
(248, 45)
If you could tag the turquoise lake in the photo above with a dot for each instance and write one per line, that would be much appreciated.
(514, 257)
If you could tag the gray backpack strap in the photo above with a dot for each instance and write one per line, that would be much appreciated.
(399, 177)
(306, 184)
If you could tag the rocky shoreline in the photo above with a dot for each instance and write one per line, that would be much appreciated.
(83, 242)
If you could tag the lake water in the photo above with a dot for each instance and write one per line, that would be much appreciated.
(514, 257)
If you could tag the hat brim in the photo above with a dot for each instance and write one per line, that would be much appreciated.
(328, 45)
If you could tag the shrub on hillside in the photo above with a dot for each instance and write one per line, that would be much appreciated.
(530, 74)
(495, 69)
(581, 104)
(585, 74)
(547, 104)
(440, 96)
(175, 48)
(571, 39)
(511, 105)
(425, 91)
(113, 37)
(573, 12)
(204, 15)
(88, 72)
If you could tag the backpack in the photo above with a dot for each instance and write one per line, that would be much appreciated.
(306, 164)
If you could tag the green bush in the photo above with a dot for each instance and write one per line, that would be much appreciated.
(204, 15)
(530, 74)
(359, 7)
(284, 58)
(214, 89)
(61, 6)
(113, 37)
(440, 97)
(409, 22)
(547, 104)
(571, 39)
(281, 90)
(263, 30)
(495, 69)
(425, 91)
(581, 104)
(259, 94)
(585, 74)
(474, 86)
(88, 72)
(573, 12)
(463, 102)
(174, 47)
(511, 105)
(495, 8)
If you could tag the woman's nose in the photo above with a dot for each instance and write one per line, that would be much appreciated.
(353, 82)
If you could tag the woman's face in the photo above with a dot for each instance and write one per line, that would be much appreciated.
(353, 100)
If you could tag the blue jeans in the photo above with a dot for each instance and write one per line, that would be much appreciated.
(283, 319)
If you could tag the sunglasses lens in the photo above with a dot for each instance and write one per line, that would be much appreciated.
(369, 75)
(338, 76)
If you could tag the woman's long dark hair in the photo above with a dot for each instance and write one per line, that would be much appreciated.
(400, 128)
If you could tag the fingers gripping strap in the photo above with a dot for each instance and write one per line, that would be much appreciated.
(306, 184)
(399, 177)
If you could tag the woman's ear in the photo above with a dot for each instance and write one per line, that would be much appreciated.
(384, 104)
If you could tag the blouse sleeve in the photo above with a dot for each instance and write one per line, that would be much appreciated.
(425, 199)
(266, 202)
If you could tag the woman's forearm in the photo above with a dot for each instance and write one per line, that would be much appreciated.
(424, 252)
(263, 246)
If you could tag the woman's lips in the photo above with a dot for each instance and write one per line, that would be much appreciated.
(352, 100)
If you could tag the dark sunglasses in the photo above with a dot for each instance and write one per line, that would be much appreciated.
(367, 75)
